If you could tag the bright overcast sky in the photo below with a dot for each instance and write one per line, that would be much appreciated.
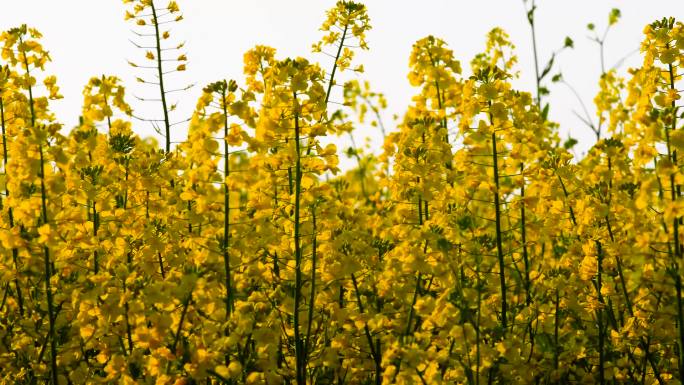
(90, 38)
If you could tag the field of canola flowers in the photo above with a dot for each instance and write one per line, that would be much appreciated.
(486, 256)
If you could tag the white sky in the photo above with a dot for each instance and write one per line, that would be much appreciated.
(90, 38)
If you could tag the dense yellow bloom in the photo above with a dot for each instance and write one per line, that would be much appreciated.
(476, 248)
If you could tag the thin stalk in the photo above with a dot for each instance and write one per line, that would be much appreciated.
(160, 73)
(648, 357)
(129, 331)
(556, 315)
(375, 351)
(643, 373)
(680, 319)
(46, 250)
(556, 321)
(299, 348)
(599, 314)
(331, 81)
(147, 216)
(675, 233)
(420, 210)
(567, 196)
(530, 19)
(623, 284)
(226, 211)
(526, 262)
(189, 208)
(601, 42)
(361, 168)
(409, 321)
(312, 296)
(334, 69)
(179, 329)
(129, 263)
(499, 244)
(4, 296)
(442, 121)
(184, 312)
(376, 112)
(478, 358)
(523, 231)
(109, 118)
(48, 273)
(10, 212)
(574, 223)
(96, 224)
(644, 344)
(161, 265)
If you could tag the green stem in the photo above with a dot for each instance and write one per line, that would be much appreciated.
(299, 348)
(109, 118)
(361, 167)
(179, 330)
(226, 210)
(623, 284)
(678, 251)
(499, 245)
(478, 358)
(95, 228)
(48, 274)
(312, 296)
(4, 296)
(556, 321)
(129, 331)
(334, 69)
(442, 121)
(672, 154)
(523, 230)
(409, 320)
(15, 251)
(375, 350)
(129, 263)
(530, 19)
(599, 314)
(46, 250)
(160, 73)
(567, 196)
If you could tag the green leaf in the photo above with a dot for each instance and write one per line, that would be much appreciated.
(548, 67)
